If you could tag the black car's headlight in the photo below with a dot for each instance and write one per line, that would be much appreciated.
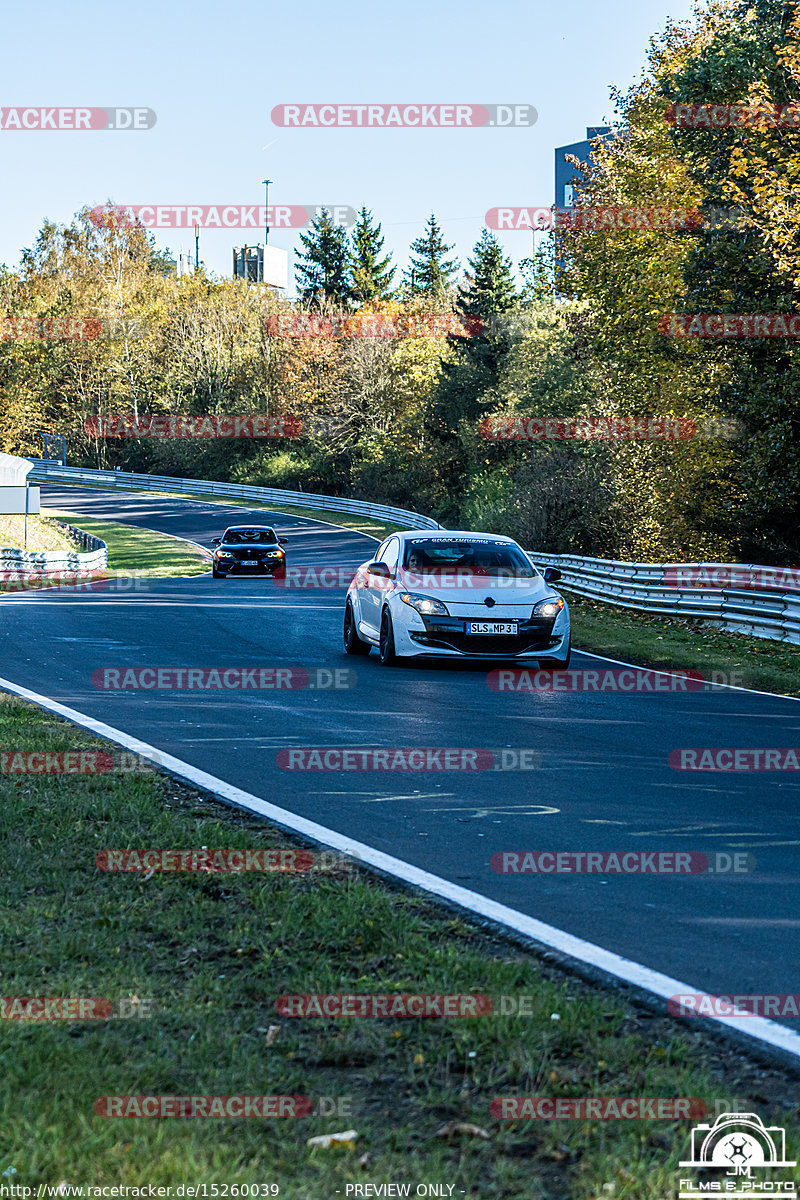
(224, 554)
(550, 607)
(274, 554)
(425, 605)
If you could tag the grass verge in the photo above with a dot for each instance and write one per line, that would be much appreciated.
(43, 534)
(675, 642)
(137, 551)
(213, 952)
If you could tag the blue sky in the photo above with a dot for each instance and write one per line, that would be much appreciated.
(213, 72)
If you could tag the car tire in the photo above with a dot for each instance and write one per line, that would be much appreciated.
(387, 651)
(215, 574)
(352, 642)
(557, 664)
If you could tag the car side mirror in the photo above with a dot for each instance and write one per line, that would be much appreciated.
(551, 574)
(282, 541)
(379, 570)
(215, 541)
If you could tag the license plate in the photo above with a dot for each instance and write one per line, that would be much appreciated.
(502, 627)
(249, 562)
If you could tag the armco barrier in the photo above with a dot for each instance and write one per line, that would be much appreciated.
(44, 469)
(91, 554)
(760, 612)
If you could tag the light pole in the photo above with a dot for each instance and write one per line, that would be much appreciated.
(266, 183)
(197, 248)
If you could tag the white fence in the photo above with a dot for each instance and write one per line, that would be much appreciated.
(744, 598)
(43, 469)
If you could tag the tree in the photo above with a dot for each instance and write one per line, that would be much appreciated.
(323, 272)
(430, 272)
(371, 277)
(490, 280)
(474, 367)
(751, 56)
(702, 499)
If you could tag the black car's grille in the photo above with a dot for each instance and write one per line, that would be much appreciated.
(260, 555)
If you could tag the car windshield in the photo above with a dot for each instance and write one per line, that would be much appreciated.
(484, 557)
(240, 537)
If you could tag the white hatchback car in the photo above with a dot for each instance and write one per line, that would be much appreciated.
(453, 594)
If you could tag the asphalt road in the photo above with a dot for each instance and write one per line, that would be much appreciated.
(604, 783)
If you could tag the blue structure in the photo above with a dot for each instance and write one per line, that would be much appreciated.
(566, 173)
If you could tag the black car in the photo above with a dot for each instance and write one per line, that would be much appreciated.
(249, 550)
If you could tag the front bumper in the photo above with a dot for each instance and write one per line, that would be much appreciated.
(446, 637)
(262, 566)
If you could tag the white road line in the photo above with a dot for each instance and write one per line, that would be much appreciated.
(733, 687)
(760, 1029)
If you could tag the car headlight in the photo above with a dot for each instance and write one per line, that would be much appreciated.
(548, 608)
(224, 554)
(274, 554)
(425, 605)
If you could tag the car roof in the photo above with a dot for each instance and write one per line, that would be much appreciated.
(455, 535)
(238, 528)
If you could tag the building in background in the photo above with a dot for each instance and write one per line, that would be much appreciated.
(262, 264)
(567, 173)
(185, 264)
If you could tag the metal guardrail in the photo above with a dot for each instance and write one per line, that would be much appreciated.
(762, 611)
(749, 603)
(91, 556)
(44, 469)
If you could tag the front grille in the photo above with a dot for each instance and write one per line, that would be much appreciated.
(448, 633)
